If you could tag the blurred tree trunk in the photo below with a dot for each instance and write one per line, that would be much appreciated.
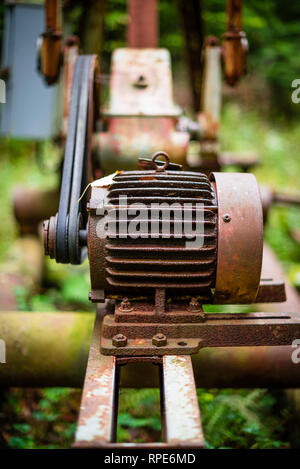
(92, 25)
(192, 26)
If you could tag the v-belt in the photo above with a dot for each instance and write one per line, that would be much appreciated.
(67, 228)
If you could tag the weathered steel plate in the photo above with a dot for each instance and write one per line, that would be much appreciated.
(180, 408)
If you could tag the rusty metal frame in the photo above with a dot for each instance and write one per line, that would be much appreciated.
(218, 330)
(98, 411)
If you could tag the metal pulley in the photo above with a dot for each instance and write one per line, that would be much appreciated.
(64, 234)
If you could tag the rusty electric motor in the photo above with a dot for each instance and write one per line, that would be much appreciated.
(221, 265)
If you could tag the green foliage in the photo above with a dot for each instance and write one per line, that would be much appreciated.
(241, 419)
(36, 419)
(279, 169)
(75, 288)
(231, 418)
(139, 413)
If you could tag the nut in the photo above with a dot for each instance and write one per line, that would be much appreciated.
(119, 340)
(125, 306)
(159, 340)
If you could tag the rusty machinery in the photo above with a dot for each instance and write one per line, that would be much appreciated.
(156, 286)
(141, 115)
(141, 107)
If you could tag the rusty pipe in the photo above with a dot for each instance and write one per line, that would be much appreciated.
(45, 349)
(51, 42)
(234, 14)
(51, 349)
(31, 206)
(235, 45)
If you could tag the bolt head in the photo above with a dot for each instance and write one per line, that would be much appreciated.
(125, 306)
(159, 340)
(119, 340)
(226, 218)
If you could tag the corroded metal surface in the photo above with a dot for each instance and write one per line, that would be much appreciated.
(31, 206)
(218, 330)
(235, 45)
(155, 261)
(271, 290)
(141, 116)
(52, 350)
(121, 265)
(128, 138)
(240, 238)
(180, 409)
(141, 84)
(143, 23)
(97, 418)
(98, 410)
(51, 42)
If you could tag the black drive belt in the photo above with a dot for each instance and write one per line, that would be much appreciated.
(75, 159)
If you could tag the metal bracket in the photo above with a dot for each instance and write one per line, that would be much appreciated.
(218, 330)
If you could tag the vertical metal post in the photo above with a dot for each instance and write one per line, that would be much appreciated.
(234, 14)
(180, 410)
(212, 82)
(143, 23)
(99, 407)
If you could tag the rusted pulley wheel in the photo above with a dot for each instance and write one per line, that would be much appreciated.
(77, 167)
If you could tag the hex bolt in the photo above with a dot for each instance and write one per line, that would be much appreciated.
(125, 306)
(119, 340)
(159, 340)
(226, 218)
(194, 306)
(45, 236)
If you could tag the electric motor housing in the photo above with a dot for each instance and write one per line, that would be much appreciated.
(223, 263)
